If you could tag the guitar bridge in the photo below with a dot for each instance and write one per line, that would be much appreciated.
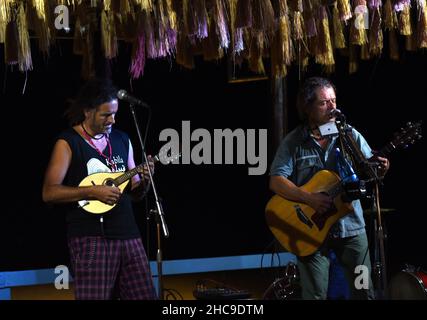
(302, 217)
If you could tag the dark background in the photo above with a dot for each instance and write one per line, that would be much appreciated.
(211, 210)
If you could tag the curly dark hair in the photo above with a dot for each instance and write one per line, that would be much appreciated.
(94, 92)
(307, 94)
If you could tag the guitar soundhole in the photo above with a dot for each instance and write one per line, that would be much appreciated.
(109, 182)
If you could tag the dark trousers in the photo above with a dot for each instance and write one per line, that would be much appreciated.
(353, 255)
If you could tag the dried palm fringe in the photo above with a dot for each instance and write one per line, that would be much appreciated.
(146, 5)
(222, 24)
(364, 52)
(108, 34)
(280, 7)
(411, 42)
(39, 6)
(375, 33)
(198, 19)
(405, 27)
(310, 21)
(11, 43)
(236, 34)
(324, 53)
(211, 46)
(281, 49)
(125, 7)
(344, 9)
(262, 15)
(256, 49)
(166, 30)
(171, 14)
(358, 34)
(393, 45)
(300, 40)
(244, 18)
(352, 57)
(150, 37)
(422, 24)
(5, 18)
(338, 27)
(24, 50)
(298, 31)
(184, 54)
(390, 17)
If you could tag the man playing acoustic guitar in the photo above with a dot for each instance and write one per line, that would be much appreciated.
(302, 154)
(108, 259)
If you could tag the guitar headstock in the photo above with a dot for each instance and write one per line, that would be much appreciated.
(407, 135)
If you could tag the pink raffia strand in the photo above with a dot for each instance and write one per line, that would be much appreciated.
(200, 17)
(202, 28)
(401, 4)
(171, 41)
(222, 28)
(161, 44)
(138, 60)
(150, 41)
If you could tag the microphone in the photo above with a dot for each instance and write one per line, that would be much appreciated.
(336, 113)
(123, 95)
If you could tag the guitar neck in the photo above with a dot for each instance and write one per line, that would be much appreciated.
(386, 150)
(336, 189)
(127, 175)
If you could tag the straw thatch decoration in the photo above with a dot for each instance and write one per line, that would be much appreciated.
(286, 32)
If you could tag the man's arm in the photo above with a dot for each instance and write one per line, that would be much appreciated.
(55, 192)
(288, 190)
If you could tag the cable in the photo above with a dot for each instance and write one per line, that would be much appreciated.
(174, 294)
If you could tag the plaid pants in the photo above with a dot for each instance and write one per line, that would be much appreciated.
(105, 269)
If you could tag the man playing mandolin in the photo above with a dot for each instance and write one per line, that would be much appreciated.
(108, 259)
(303, 153)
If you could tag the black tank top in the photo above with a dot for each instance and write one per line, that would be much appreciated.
(119, 222)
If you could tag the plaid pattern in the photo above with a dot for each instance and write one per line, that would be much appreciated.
(105, 269)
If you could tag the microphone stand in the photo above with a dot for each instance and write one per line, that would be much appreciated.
(379, 267)
(158, 211)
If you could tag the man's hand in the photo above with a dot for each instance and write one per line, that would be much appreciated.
(383, 165)
(107, 194)
(144, 170)
(320, 202)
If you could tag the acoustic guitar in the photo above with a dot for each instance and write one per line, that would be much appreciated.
(117, 179)
(299, 228)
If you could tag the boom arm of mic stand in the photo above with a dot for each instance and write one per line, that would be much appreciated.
(355, 152)
(159, 210)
